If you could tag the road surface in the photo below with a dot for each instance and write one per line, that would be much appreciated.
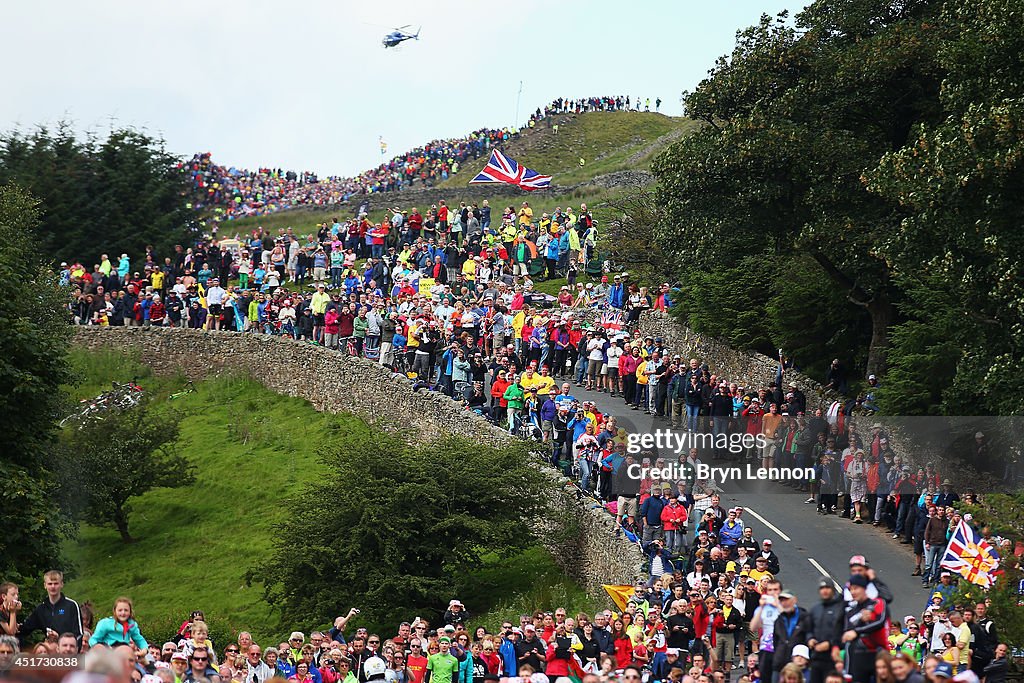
(809, 545)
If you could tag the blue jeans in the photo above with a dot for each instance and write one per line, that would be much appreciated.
(932, 557)
(584, 473)
(581, 369)
(675, 540)
(692, 412)
(335, 276)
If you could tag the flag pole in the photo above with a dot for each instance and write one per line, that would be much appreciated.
(519, 96)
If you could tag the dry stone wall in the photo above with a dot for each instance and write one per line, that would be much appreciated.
(581, 536)
(756, 370)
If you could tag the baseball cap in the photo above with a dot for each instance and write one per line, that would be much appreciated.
(730, 566)
(858, 561)
(824, 583)
(787, 595)
(444, 639)
(179, 656)
(801, 650)
(944, 670)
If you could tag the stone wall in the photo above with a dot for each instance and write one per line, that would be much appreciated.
(335, 382)
(754, 369)
(748, 367)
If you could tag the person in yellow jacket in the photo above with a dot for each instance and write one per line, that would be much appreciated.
(574, 245)
(545, 222)
(508, 232)
(525, 214)
(469, 268)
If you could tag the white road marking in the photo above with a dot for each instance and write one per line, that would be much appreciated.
(824, 573)
(768, 524)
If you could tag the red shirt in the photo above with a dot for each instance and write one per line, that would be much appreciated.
(417, 667)
(623, 652)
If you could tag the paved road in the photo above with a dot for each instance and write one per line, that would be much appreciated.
(809, 545)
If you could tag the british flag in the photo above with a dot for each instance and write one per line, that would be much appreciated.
(971, 556)
(612, 321)
(501, 169)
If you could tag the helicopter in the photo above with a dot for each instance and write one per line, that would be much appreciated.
(398, 36)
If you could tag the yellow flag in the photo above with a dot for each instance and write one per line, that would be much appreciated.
(620, 594)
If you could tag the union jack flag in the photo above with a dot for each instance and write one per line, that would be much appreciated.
(501, 169)
(612, 320)
(971, 556)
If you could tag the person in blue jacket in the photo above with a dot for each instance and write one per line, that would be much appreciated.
(617, 294)
(119, 629)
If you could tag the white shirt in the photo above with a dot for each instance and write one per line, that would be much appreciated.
(215, 296)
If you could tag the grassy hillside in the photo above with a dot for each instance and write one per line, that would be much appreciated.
(253, 450)
(606, 141)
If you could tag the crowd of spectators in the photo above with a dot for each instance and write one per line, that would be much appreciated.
(447, 298)
(229, 192)
(723, 621)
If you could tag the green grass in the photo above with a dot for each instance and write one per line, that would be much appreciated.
(253, 450)
(606, 141)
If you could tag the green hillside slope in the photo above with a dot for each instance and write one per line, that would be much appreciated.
(606, 141)
(253, 450)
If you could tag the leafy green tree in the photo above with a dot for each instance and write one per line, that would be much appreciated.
(728, 301)
(117, 457)
(114, 196)
(33, 366)
(794, 117)
(959, 253)
(398, 527)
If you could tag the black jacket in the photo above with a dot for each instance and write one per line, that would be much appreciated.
(827, 620)
(63, 617)
(786, 637)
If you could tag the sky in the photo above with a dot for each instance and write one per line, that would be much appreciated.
(308, 85)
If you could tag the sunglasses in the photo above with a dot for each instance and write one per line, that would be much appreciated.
(231, 651)
(200, 659)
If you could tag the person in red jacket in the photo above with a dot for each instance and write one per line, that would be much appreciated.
(622, 643)
(442, 218)
(499, 405)
(157, 312)
(559, 653)
(673, 522)
(867, 626)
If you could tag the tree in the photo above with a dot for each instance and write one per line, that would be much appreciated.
(794, 117)
(631, 219)
(114, 196)
(959, 252)
(120, 456)
(399, 526)
(33, 366)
